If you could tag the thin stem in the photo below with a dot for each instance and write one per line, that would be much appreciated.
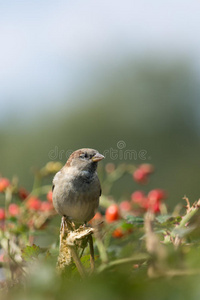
(8, 198)
(102, 251)
(100, 245)
(91, 253)
(10, 267)
(140, 258)
(36, 185)
(77, 262)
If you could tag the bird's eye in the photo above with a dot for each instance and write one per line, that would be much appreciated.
(84, 155)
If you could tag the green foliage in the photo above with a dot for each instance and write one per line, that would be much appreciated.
(141, 254)
(30, 252)
(137, 221)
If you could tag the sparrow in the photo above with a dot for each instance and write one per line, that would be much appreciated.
(76, 187)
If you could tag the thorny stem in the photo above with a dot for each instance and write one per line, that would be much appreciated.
(191, 211)
(188, 216)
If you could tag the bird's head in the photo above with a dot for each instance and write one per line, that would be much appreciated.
(84, 159)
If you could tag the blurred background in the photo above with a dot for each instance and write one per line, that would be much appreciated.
(115, 76)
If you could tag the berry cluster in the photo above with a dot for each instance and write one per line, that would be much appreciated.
(142, 173)
(138, 204)
(26, 206)
(152, 201)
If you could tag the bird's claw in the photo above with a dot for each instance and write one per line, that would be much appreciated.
(62, 227)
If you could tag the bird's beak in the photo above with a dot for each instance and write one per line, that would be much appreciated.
(97, 157)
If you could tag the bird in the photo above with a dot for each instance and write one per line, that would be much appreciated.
(76, 187)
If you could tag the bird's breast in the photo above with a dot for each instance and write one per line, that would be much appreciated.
(77, 196)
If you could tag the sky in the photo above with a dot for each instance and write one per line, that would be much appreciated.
(50, 49)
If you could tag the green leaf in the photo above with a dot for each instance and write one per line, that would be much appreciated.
(126, 226)
(135, 220)
(86, 261)
(182, 232)
(163, 218)
(30, 252)
(168, 219)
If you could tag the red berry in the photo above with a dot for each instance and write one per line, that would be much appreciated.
(96, 218)
(118, 233)
(112, 213)
(46, 206)
(13, 210)
(156, 195)
(154, 200)
(23, 194)
(33, 203)
(2, 214)
(125, 206)
(140, 176)
(155, 208)
(145, 203)
(4, 183)
(137, 197)
(147, 168)
(50, 196)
